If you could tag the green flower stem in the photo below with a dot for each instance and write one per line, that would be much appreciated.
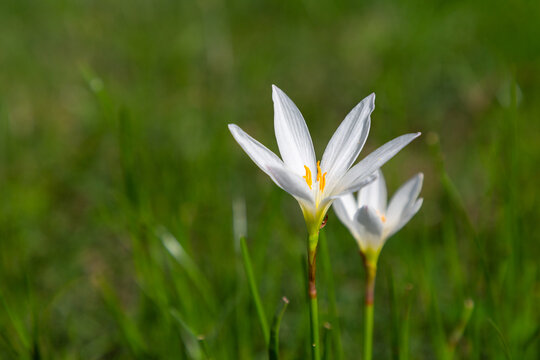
(370, 264)
(312, 292)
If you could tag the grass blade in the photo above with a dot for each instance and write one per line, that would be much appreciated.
(196, 345)
(404, 331)
(460, 328)
(175, 249)
(254, 290)
(327, 340)
(502, 339)
(273, 348)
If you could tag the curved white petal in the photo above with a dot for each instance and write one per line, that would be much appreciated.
(348, 140)
(406, 217)
(345, 208)
(370, 228)
(292, 134)
(337, 192)
(374, 194)
(291, 183)
(272, 165)
(359, 172)
(403, 203)
(259, 153)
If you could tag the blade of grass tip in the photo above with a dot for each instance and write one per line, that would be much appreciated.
(502, 340)
(175, 249)
(97, 87)
(273, 347)
(327, 340)
(243, 329)
(254, 290)
(201, 339)
(196, 344)
(456, 335)
(329, 279)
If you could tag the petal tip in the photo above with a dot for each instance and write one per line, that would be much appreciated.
(420, 179)
(276, 90)
(233, 128)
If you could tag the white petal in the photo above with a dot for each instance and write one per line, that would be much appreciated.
(403, 203)
(369, 227)
(260, 155)
(374, 194)
(348, 140)
(291, 183)
(356, 176)
(271, 165)
(345, 208)
(406, 217)
(336, 193)
(292, 134)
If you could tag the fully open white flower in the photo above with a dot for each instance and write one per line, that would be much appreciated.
(315, 184)
(368, 218)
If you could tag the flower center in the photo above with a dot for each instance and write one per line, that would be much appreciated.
(321, 178)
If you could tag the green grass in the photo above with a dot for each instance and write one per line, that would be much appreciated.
(118, 177)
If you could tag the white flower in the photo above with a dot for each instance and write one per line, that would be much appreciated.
(315, 184)
(368, 218)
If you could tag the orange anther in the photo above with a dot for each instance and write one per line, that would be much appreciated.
(321, 178)
(307, 177)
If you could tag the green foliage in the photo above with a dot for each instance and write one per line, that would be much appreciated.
(118, 177)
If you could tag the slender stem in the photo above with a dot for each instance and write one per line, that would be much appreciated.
(370, 265)
(312, 292)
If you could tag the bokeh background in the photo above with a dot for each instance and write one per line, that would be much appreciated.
(119, 180)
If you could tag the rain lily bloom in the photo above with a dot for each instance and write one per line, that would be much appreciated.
(371, 223)
(316, 184)
(368, 217)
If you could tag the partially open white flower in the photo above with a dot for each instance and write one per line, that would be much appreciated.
(368, 218)
(315, 184)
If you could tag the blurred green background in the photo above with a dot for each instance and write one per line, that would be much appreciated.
(118, 176)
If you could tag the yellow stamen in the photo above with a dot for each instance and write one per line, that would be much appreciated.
(321, 178)
(308, 179)
(383, 218)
